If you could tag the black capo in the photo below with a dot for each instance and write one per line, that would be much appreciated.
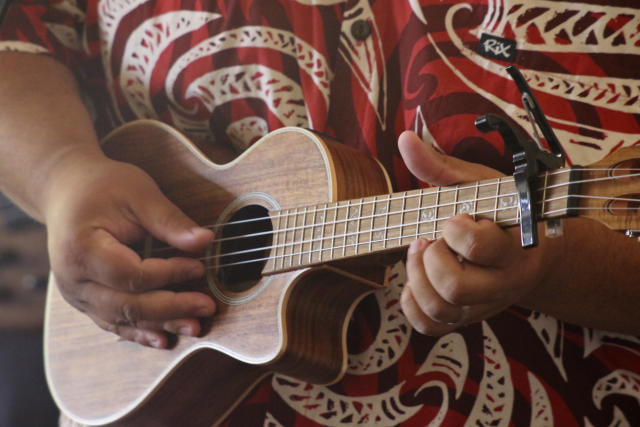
(529, 156)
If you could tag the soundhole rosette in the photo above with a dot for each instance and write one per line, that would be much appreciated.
(235, 259)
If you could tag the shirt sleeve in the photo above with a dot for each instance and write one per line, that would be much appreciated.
(54, 27)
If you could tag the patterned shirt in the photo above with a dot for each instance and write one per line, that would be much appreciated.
(363, 71)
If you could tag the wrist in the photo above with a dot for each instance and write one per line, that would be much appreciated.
(65, 170)
(551, 253)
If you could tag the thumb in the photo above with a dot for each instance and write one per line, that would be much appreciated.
(435, 168)
(166, 222)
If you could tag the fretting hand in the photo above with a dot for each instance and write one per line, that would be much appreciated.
(476, 269)
(95, 208)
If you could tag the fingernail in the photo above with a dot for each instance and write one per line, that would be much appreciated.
(155, 342)
(464, 313)
(205, 311)
(185, 330)
(197, 231)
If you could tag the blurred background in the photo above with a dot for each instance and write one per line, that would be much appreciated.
(24, 397)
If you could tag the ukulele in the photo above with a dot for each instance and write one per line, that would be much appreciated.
(304, 227)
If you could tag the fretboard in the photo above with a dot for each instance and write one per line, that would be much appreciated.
(310, 235)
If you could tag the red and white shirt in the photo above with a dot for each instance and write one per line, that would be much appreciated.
(364, 71)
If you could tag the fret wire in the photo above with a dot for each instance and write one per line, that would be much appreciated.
(455, 200)
(304, 222)
(276, 243)
(296, 228)
(436, 214)
(359, 224)
(346, 227)
(402, 210)
(495, 210)
(475, 199)
(313, 231)
(293, 241)
(373, 213)
(386, 222)
(284, 249)
(333, 234)
(324, 226)
(419, 213)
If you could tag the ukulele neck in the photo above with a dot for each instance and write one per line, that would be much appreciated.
(311, 235)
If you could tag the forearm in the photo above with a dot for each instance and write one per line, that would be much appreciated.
(593, 280)
(44, 124)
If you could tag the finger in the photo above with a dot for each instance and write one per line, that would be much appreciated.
(133, 309)
(149, 338)
(418, 319)
(111, 263)
(151, 333)
(168, 223)
(187, 327)
(432, 304)
(436, 168)
(483, 242)
(462, 283)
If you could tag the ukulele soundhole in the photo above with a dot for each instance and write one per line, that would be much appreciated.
(244, 246)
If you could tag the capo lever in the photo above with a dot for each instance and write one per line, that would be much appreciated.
(529, 157)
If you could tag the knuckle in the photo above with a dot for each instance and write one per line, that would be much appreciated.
(427, 327)
(71, 295)
(452, 291)
(70, 261)
(421, 325)
(135, 282)
(177, 273)
(129, 315)
(109, 327)
(473, 246)
(72, 292)
(438, 312)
